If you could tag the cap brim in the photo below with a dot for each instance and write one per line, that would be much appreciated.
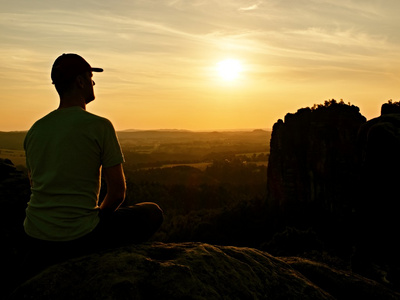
(97, 70)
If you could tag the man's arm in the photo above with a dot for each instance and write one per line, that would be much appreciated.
(116, 189)
(30, 177)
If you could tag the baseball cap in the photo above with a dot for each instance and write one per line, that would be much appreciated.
(69, 65)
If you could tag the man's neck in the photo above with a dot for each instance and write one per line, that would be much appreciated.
(68, 101)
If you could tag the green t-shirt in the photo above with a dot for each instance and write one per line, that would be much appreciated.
(65, 151)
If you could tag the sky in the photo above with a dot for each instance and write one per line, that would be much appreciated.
(161, 58)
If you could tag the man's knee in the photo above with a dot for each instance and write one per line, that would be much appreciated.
(135, 223)
(154, 213)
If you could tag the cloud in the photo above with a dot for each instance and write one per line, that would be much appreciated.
(251, 7)
(152, 34)
(369, 9)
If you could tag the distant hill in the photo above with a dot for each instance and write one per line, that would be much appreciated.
(12, 140)
(181, 135)
(195, 131)
(153, 130)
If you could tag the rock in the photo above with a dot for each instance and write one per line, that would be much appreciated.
(333, 172)
(6, 168)
(338, 283)
(191, 271)
(379, 146)
(378, 207)
(14, 195)
(312, 161)
(312, 172)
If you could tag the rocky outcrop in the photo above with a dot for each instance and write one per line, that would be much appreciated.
(312, 165)
(340, 284)
(14, 195)
(195, 271)
(378, 203)
(332, 171)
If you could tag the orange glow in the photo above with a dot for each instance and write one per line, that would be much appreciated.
(160, 74)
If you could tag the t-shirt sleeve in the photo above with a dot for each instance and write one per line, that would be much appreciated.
(111, 152)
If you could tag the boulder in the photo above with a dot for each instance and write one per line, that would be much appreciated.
(193, 271)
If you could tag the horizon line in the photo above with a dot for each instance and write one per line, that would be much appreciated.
(169, 130)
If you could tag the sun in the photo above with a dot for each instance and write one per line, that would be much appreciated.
(229, 69)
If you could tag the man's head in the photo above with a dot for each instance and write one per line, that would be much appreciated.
(69, 69)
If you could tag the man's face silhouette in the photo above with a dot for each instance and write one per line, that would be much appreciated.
(88, 92)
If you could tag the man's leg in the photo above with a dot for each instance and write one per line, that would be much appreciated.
(127, 225)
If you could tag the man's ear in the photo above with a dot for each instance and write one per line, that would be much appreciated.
(80, 81)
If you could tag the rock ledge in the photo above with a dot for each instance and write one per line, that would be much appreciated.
(186, 271)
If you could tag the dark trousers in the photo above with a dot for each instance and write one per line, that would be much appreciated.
(127, 225)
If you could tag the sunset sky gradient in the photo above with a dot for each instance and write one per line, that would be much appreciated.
(160, 58)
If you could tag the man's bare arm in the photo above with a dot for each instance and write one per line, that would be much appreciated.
(116, 189)
(30, 178)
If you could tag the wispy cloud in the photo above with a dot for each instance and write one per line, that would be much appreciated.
(251, 7)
